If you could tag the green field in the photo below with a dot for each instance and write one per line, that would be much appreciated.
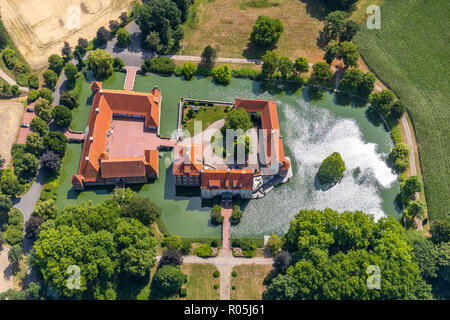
(410, 55)
(200, 281)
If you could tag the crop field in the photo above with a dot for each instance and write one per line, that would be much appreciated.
(40, 27)
(11, 112)
(410, 55)
(227, 26)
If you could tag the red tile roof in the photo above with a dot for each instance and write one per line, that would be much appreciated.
(227, 179)
(105, 104)
(187, 159)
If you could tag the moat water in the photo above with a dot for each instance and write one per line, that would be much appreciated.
(313, 124)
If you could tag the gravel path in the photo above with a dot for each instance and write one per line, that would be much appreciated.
(6, 278)
(11, 81)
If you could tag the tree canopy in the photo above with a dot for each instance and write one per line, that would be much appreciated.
(101, 62)
(266, 31)
(332, 169)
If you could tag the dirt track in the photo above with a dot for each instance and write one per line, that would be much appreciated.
(40, 27)
(11, 112)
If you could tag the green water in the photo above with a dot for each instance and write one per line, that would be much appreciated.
(313, 124)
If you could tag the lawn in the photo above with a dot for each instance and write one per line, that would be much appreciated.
(410, 55)
(207, 115)
(249, 281)
(200, 281)
(227, 26)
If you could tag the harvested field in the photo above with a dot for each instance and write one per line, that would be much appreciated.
(11, 112)
(40, 27)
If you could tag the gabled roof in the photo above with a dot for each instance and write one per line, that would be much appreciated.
(187, 159)
(227, 179)
(269, 122)
(105, 104)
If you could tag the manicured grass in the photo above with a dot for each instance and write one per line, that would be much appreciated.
(207, 115)
(200, 281)
(249, 281)
(227, 26)
(410, 54)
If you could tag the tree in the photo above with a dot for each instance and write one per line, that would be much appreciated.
(40, 126)
(102, 36)
(321, 74)
(274, 243)
(412, 185)
(46, 94)
(285, 66)
(12, 294)
(32, 227)
(43, 110)
(367, 84)
(56, 63)
(163, 65)
(283, 287)
(50, 161)
(66, 50)
(282, 261)
(332, 169)
(382, 101)
(114, 25)
(205, 250)
(266, 31)
(56, 141)
(10, 186)
(417, 209)
(45, 210)
(349, 54)
(71, 72)
(216, 214)
(69, 99)
(399, 157)
(172, 242)
(270, 63)
(101, 62)
(14, 258)
(171, 256)
(349, 30)
(209, 56)
(351, 80)
(334, 23)
(440, 231)
(332, 252)
(168, 280)
(301, 65)
(236, 214)
(33, 291)
(50, 78)
(123, 38)
(35, 144)
(152, 41)
(398, 109)
(189, 70)
(62, 116)
(332, 51)
(25, 167)
(33, 81)
(5, 205)
(222, 74)
(142, 209)
(238, 119)
(83, 44)
(124, 17)
(32, 95)
(14, 235)
(118, 64)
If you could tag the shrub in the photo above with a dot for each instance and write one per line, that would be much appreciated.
(10, 185)
(46, 94)
(222, 74)
(399, 157)
(40, 126)
(216, 214)
(266, 31)
(168, 280)
(50, 78)
(189, 70)
(33, 95)
(233, 287)
(163, 65)
(171, 256)
(321, 74)
(15, 217)
(185, 247)
(236, 215)
(123, 38)
(214, 243)
(178, 71)
(209, 56)
(14, 234)
(101, 62)
(274, 243)
(205, 250)
(62, 116)
(183, 292)
(172, 241)
(382, 101)
(216, 274)
(234, 274)
(332, 169)
(56, 63)
(43, 110)
(246, 73)
(68, 99)
(56, 141)
(216, 286)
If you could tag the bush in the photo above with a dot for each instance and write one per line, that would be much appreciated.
(399, 157)
(246, 73)
(274, 243)
(168, 280)
(233, 287)
(46, 94)
(43, 110)
(216, 286)
(236, 216)
(50, 78)
(33, 95)
(101, 62)
(189, 70)
(172, 242)
(234, 274)
(216, 214)
(266, 31)
(40, 126)
(56, 63)
(185, 247)
(62, 116)
(56, 141)
(15, 217)
(118, 64)
(10, 186)
(214, 243)
(222, 74)
(68, 99)
(321, 74)
(209, 56)
(171, 256)
(14, 235)
(163, 65)
(205, 250)
(183, 292)
(332, 169)
(123, 38)
(216, 274)
(178, 71)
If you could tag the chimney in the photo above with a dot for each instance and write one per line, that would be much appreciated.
(87, 158)
(97, 110)
(101, 91)
(243, 172)
(91, 139)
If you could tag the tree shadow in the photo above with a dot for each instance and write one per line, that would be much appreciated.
(317, 9)
(130, 288)
(312, 94)
(374, 117)
(253, 51)
(321, 186)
